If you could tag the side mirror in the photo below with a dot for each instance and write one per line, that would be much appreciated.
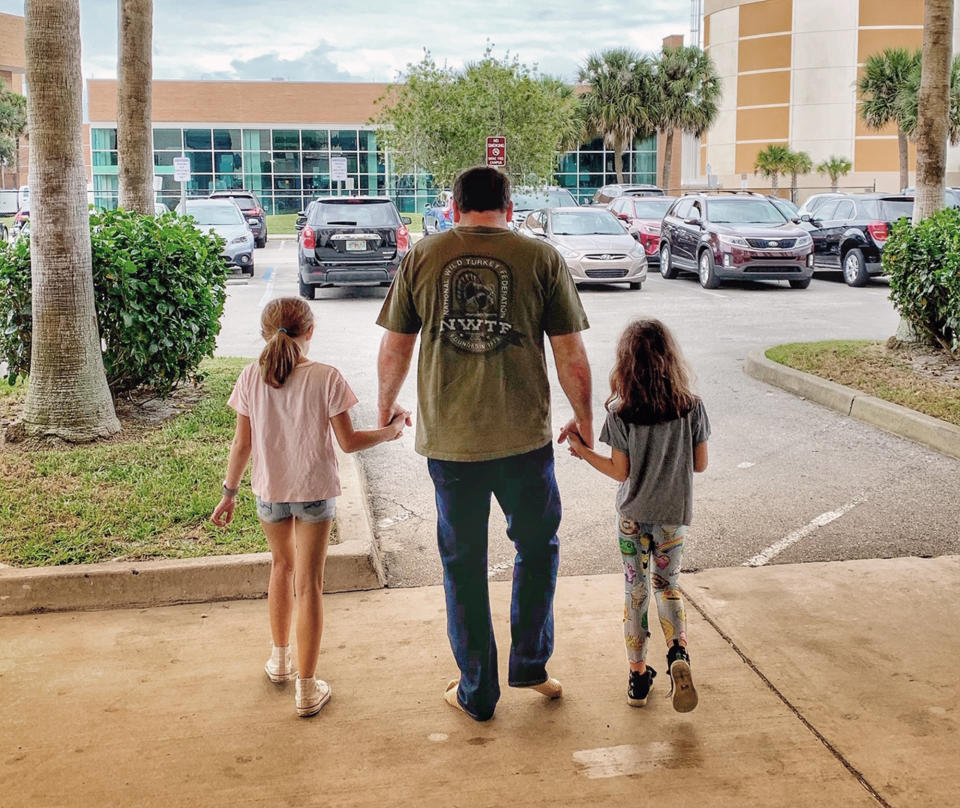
(623, 216)
(406, 220)
(692, 220)
(301, 213)
(806, 217)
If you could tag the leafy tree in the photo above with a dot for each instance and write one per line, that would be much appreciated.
(835, 168)
(68, 396)
(908, 103)
(688, 93)
(437, 119)
(134, 132)
(620, 102)
(772, 162)
(885, 75)
(13, 123)
(798, 163)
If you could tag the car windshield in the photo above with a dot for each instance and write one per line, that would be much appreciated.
(652, 208)
(893, 209)
(788, 209)
(586, 223)
(355, 213)
(744, 211)
(213, 215)
(546, 199)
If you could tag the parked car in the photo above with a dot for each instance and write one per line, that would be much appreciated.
(252, 211)
(350, 241)
(790, 211)
(438, 215)
(850, 231)
(643, 216)
(952, 195)
(813, 202)
(734, 236)
(592, 242)
(224, 218)
(608, 193)
(526, 200)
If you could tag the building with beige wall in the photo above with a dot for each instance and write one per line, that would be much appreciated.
(12, 62)
(789, 70)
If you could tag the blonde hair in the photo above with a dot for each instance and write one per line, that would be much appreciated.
(283, 320)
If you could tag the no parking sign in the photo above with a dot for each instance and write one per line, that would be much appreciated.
(496, 151)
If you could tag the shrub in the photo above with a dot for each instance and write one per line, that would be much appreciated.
(923, 262)
(159, 285)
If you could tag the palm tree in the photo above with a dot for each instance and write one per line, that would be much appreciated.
(134, 132)
(884, 76)
(797, 163)
(619, 101)
(908, 103)
(68, 395)
(835, 168)
(772, 162)
(933, 103)
(687, 98)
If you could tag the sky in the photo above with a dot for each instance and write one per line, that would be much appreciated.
(300, 40)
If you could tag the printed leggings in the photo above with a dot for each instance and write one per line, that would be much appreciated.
(641, 544)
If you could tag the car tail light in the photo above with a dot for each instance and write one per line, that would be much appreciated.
(879, 232)
(403, 240)
(308, 238)
(255, 212)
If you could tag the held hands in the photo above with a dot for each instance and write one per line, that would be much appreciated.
(396, 424)
(577, 435)
(574, 443)
(388, 414)
(223, 513)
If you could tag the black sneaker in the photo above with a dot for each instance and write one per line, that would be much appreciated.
(681, 679)
(640, 686)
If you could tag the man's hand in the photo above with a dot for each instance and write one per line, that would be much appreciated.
(579, 428)
(387, 414)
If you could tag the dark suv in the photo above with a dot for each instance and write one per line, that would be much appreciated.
(252, 211)
(734, 236)
(350, 241)
(850, 231)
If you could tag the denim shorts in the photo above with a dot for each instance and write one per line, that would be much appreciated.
(320, 510)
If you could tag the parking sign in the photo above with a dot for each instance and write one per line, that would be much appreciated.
(338, 169)
(496, 151)
(181, 169)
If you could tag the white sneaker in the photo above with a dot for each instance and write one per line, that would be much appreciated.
(312, 694)
(279, 667)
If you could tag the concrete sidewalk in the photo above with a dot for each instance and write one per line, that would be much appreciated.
(820, 684)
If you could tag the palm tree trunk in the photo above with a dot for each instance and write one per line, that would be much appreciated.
(667, 159)
(68, 395)
(834, 182)
(774, 182)
(618, 158)
(134, 133)
(934, 107)
(904, 153)
(793, 187)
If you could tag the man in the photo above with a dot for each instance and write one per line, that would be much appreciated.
(481, 297)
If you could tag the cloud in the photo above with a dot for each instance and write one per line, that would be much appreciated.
(314, 65)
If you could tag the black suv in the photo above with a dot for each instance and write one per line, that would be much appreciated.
(608, 193)
(252, 211)
(849, 232)
(734, 236)
(350, 241)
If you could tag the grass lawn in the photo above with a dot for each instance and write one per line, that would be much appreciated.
(924, 381)
(282, 223)
(148, 493)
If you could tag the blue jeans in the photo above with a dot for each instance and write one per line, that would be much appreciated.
(526, 489)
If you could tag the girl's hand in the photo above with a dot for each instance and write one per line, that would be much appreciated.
(396, 425)
(575, 443)
(223, 513)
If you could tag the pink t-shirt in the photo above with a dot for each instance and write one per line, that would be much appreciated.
(292, 442)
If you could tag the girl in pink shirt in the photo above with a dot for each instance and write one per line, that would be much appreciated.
(286, 405)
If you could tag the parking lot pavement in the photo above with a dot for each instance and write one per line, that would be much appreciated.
(780, 467)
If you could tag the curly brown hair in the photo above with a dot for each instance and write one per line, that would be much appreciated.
(650, 382)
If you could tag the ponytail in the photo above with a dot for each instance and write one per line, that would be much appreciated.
(283, 320)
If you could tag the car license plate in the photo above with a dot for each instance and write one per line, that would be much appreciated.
(356, 245)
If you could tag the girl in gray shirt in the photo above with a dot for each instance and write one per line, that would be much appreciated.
(657, 430)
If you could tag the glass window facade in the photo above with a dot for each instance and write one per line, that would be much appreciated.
(287, 167)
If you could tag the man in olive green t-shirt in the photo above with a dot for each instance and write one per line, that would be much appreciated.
(481, 299)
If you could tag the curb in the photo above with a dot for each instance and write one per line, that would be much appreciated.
(353, 564)
(902, 421)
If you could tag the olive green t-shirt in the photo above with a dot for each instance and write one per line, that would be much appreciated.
(482, 298)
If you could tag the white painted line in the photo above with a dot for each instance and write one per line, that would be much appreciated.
(715, 294)
(746, 464)
(823, 519)
(268, 292)
(503, 565)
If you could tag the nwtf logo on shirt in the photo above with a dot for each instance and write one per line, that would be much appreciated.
(476, 297)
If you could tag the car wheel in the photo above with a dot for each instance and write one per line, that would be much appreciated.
(261, 242)
(800, 284)
(307, 291)
(854, 268)
(249, 271)
(636, 284)
(666, 269)
(708, 277)
(4, 233)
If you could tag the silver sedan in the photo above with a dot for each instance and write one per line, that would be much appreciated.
(594, 244)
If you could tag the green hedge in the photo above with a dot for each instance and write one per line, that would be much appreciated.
(923, 262)
(160, 287)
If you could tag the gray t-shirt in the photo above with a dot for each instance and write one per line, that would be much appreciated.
(659, 490)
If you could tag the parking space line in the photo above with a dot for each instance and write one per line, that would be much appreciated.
(269, 276)
(792, 538)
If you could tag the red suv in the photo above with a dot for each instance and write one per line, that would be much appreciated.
(643, 215)
(734, 236)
